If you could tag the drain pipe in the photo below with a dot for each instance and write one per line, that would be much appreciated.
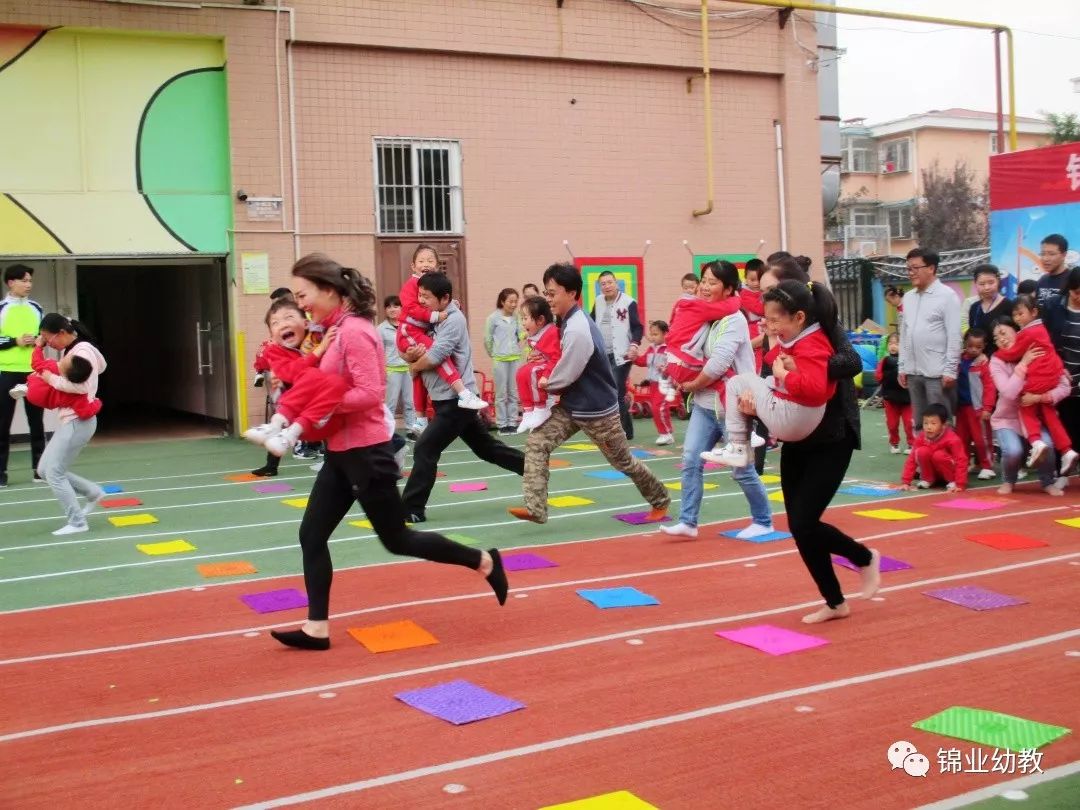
(781, 192)
(708, 110)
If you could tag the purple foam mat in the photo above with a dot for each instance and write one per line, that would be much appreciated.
(459, 702)
(887, 564)
(271, 601)
(975, 598)
(639, 518)
(526, 561)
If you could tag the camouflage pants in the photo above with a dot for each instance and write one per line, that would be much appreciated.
(607, 434)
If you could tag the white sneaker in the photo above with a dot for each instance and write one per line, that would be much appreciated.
(1038, 450)
(1021, 474)
(923, 484)
(18, 391)
(895, 449)
(1068, 458)
(526, 424)
(260, 433)
(754, 530)
(680, 530)
(756, 441)
(540, 415)
(1061, 483)
(467, 399)
(283, 441)
(92, 505)
(69, 529)
(986, 474)
(907, 451)
(665, 438)
(730, 455)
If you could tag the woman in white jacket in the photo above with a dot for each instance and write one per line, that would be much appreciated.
(73, 434)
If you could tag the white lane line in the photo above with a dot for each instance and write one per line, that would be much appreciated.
(657, 722)
(487, 659)
(993, 791)
(438, 600)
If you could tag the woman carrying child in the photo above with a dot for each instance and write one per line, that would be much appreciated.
(72, 341)
(360, 464)
(812, 469)
(1009, 379)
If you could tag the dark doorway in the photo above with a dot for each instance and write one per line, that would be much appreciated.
(163, 328)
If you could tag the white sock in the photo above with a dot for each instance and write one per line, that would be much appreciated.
(680, 530)
(278, 420)
(754, 530)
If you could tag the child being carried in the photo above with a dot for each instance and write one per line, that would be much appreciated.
(38, 391)
(305, 408)
(791, 403)
(686, 337)
(544, 343)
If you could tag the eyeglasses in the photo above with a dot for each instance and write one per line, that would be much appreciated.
(918, 267)
(548, 294)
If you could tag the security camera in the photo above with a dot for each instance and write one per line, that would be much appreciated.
(241, 195)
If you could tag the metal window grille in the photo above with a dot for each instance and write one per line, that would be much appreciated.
(418, 185)
(896, 156)
(900, 223)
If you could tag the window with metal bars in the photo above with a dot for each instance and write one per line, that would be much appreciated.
(418, 185)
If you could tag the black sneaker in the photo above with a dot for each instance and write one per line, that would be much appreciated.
(265, 471)
(3, 479)
(38, 479)
(415, 517)
(507, 431)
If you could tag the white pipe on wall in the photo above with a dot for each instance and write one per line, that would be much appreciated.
(782, 194)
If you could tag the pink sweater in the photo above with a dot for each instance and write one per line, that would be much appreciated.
(1009, 382)
(357, 357)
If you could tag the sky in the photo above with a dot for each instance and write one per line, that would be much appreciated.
(893, 69)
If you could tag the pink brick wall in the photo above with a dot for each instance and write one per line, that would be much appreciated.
(621, 165)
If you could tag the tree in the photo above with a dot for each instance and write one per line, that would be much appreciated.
(1066, 127)
(952, 213)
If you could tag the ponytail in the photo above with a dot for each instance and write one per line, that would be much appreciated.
(812, 298)
(55, 322)
(326, 274)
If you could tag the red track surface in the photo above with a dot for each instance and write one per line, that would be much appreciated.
(760, 755)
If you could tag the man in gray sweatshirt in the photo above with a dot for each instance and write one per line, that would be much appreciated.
(450, 422)
(588, 402)
(929, 337)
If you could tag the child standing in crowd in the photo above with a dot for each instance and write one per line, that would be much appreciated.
(73, 368)
(938, 454)
(976, 397)
(306, 407)
(896, 398)
(991, 305)
(752, 305)
(399, 389)
(416, 325)
(1042, 377)
(654, 359)
(502, 341)
(792, 402)
(546, 346)
(894, 297)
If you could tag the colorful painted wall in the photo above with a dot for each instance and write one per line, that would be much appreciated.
(112, 143)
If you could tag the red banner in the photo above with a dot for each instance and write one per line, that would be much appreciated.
(1046, 176)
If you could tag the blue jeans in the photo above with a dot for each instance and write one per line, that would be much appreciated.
(1013, 447)
(703, 432)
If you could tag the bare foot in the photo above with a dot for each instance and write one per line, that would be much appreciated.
(1005, 489)
(826, 613)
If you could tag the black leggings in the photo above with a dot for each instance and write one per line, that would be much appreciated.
(368, 475)
(810, 474)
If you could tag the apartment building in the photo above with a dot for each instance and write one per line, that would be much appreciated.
(881, 172)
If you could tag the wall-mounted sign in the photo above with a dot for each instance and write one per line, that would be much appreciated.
(263, 209)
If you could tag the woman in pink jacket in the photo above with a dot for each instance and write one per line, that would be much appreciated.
(1009, 380)
(359, 464)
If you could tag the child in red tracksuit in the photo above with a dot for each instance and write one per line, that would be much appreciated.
(689, 328)
(38, 392)
(897, 399)
(415, 330)
(752, 304)
(1043, 375)
(305, 408)
(938, 453)
(543, 338)
(976, 397)
(654, 359)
